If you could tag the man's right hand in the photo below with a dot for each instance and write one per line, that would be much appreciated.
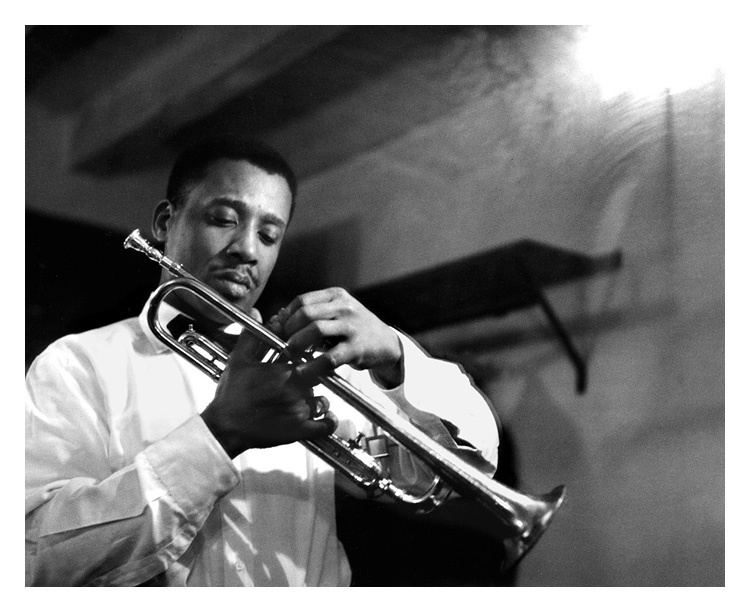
(260, 405)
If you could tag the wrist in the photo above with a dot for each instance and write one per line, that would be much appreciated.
(227, 441)
(391, 373)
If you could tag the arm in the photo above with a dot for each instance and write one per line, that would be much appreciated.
(91, 521)
(87, 524)
(440, 399)
(438, 388)
(421, 387)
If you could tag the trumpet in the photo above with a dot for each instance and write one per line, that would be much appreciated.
(524, 517)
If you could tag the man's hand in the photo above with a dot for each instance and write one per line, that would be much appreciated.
(332, 321)
(259, 405)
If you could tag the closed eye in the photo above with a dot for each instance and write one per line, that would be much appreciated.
(223, 221)
(222, 217)
(269, 238)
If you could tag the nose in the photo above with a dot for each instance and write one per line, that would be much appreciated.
(244, 246)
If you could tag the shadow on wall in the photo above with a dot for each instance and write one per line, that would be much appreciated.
(548, 447)
(551, 452)
(543, 448)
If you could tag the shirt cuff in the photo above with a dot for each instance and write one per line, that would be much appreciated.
(192, 466)
(441, 388)
(412, 355)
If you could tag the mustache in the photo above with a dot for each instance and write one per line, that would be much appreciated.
(240, 275)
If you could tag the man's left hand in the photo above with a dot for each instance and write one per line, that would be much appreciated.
(332, 321)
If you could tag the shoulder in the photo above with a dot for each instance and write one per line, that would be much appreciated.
(93, 345)
(123, 332)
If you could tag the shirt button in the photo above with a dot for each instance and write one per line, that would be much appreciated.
(239, 566)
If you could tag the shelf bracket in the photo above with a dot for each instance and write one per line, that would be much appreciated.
(579, 364)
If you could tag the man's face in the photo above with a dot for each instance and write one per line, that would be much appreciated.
(229, 230)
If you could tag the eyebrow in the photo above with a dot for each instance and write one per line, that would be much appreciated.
(266, 216)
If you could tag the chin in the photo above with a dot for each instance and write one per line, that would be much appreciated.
(244, 303)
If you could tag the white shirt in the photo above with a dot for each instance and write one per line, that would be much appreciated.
(124, 481)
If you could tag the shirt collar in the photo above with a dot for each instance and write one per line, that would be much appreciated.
(166, 313)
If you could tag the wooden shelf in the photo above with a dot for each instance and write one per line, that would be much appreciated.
(493, 283)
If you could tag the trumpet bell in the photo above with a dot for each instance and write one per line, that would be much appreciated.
(540, 512)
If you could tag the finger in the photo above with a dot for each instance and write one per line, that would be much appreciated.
(344, 353)
(293, 415)
(292, 394)
(325, 364)
(315, 297)
(246, 349)
(304, 315)
(318, 429)
(332, 421)
(278, 320)
(273, 382)
(275, 325)
(318, 407)
(288, 387)
(291, 422)
(315, 333)
(303, 384)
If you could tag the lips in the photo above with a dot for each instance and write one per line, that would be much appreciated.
(237, 277)
(235, 282)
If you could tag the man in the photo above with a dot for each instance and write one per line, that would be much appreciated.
(140, 469)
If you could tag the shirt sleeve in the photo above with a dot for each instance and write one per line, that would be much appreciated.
(442, 388)
(88, 526)
(433, 390)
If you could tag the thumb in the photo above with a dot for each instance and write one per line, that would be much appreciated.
(323, 365)
(248, 348)
(255, 314)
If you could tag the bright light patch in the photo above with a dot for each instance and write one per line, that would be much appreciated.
(644, 59)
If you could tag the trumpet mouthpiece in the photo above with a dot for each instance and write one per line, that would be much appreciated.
(137, 242)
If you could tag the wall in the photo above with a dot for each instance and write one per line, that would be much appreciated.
(546, 157)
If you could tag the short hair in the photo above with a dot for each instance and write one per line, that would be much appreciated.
(192, 164)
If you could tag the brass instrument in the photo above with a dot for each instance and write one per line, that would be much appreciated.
(524, 517)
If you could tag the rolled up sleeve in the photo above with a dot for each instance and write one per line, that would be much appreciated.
(432, 393)
(443, 389)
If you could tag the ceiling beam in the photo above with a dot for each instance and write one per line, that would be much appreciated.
(189, 79)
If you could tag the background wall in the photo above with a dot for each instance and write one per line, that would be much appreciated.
(529, 147)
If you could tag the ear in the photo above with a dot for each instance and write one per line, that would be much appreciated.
(163, 214)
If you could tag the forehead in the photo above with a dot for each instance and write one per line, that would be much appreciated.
(241, 182)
